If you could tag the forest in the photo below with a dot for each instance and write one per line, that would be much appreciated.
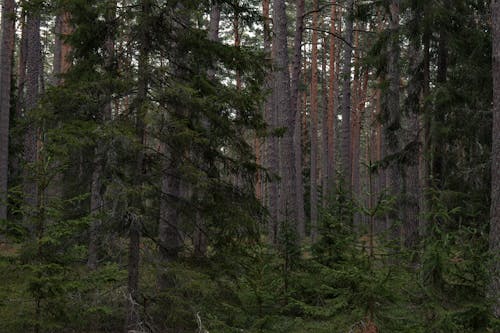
(257, 166)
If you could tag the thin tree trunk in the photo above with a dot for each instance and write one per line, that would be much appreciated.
(6, 55)
(324, 125)
(295, 108)
(133, 317)
(96, 198)
(346, 99)
(314, 125)
(356, 128)
(271, 148)
(332, 119)
(495, 164)
(199, 237)
(393, 116)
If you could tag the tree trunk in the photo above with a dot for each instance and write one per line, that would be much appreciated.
(324, 124)
(295, 108)
(281, 78)
(271, 148)
(412, 199)
(6, 54)
(346, 100)
(96, 198)
(314, 125)
(495, 164)
(199, 238)
(33, 66)
(332, 90)
(133, 318)
(393, 116)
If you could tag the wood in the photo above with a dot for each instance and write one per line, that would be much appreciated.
(314, 126)
(495, 164)
(6, 55)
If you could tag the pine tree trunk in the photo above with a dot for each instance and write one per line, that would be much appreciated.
(412, 199)
(495, 164)
(393, 116)
(314, 125)
(6, 54)
(33, 66)
(271, 147)
(295, 108)
(96, 198)
(324, 124)
(356, 128)
(199, 238)
(332, 119)
(133, 317)
(281, 80)
(346, 157)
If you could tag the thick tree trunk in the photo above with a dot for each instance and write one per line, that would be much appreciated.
(495, 164)
(314, 125)
(295, 108)
(33, 66)
(6, 54)
(281, 78)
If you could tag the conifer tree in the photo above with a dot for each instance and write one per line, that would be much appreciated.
(6, 55)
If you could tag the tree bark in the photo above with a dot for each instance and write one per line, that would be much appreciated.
(495, 164)
(314, 125)
(271, 147)
(346, 157)
(332, 90)
(33, 66)
(6, 55)
(295, 108)
(133, 318)
(96, 197)
(281, 78)
(393, 117)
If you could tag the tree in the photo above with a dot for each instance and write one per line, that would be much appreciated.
(6, 54)
(33, 67)
(314, 124)
(295, 109)
(346, 98)
(281, 85)
(495, 163)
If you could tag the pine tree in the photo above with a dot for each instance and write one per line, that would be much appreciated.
(6, 55)
(495, 164)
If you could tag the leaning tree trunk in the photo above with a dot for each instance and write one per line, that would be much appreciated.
(6, 54)
(495, 164)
